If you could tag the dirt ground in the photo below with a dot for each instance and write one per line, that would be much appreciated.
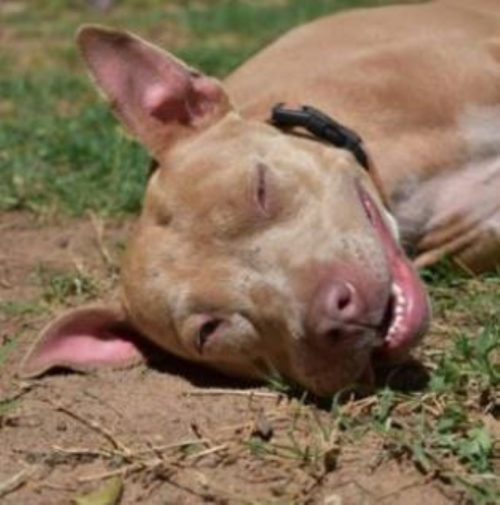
(172, 433)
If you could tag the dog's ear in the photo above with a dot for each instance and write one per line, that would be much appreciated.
(157, 97)
(83, 339)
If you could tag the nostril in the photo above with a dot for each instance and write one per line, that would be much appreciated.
(340, 298)
(344, 299)
(334, 307)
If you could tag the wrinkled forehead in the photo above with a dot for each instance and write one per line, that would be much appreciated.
(234, 144)
(229, 137)
(207, 184)
(220, 166)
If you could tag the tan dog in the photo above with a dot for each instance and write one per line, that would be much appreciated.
(262, 252)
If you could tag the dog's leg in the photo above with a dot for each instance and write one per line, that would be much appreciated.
(464, 218)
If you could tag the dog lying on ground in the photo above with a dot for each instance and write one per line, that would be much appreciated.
(263, 250)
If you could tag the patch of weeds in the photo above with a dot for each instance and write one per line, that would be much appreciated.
(464, 302)
(21, 308)
(276, 382)
(216, 60)
(6, 348)
(60, 149)
(308, 440)
(441, 431)
(74, 159)
(444, 274)
(226, 33)
(472, 364)
(58, 287)
(258, 447)
(6, 407)
(8, 404)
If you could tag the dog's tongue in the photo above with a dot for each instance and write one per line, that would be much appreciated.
(410, 309)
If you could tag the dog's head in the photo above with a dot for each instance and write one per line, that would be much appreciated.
(256, 252)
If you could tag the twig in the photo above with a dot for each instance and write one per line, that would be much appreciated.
(99, 226)
(133, 467)
(107, 405)
(233, 392)
(25, 387)
(417, 482)
(77, 451)
(208, 451)
(5, 283)
(55, 486)
(127, 469)
(96, 427)
(214, 490)
(16, 481)
(175, 445)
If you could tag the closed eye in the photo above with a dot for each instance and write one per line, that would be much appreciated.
(207, 330)
(262, 190)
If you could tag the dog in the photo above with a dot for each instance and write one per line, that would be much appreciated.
(265, 250)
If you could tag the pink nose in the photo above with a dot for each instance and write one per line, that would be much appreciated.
(335, 305)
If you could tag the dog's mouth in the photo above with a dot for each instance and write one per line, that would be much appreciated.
(408, 312)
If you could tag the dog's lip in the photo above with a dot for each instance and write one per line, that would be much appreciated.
(408, 313)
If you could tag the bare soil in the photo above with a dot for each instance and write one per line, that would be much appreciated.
(174, 433)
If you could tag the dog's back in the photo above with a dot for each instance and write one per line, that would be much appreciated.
(421, 84)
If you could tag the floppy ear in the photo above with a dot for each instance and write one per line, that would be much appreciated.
(155, 95)
(83, 339)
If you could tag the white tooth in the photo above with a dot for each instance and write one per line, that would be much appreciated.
(399, 308)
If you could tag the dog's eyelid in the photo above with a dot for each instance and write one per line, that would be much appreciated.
(206, 330)
(262, 189)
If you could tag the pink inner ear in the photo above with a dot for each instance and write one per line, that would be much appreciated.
(84, 340)
(168, 104)
(151, 91)
(185, 100)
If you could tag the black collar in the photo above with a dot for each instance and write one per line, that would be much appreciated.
(322, 126)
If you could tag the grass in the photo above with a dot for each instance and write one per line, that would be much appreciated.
(59, 287)
(20, 308)
(62, 153)
(447, 430)
(440, 431)
(60, 149)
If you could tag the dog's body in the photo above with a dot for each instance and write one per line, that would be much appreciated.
(421, 84)
(260, 252)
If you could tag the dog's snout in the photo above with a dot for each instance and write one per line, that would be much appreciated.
(336, 305)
